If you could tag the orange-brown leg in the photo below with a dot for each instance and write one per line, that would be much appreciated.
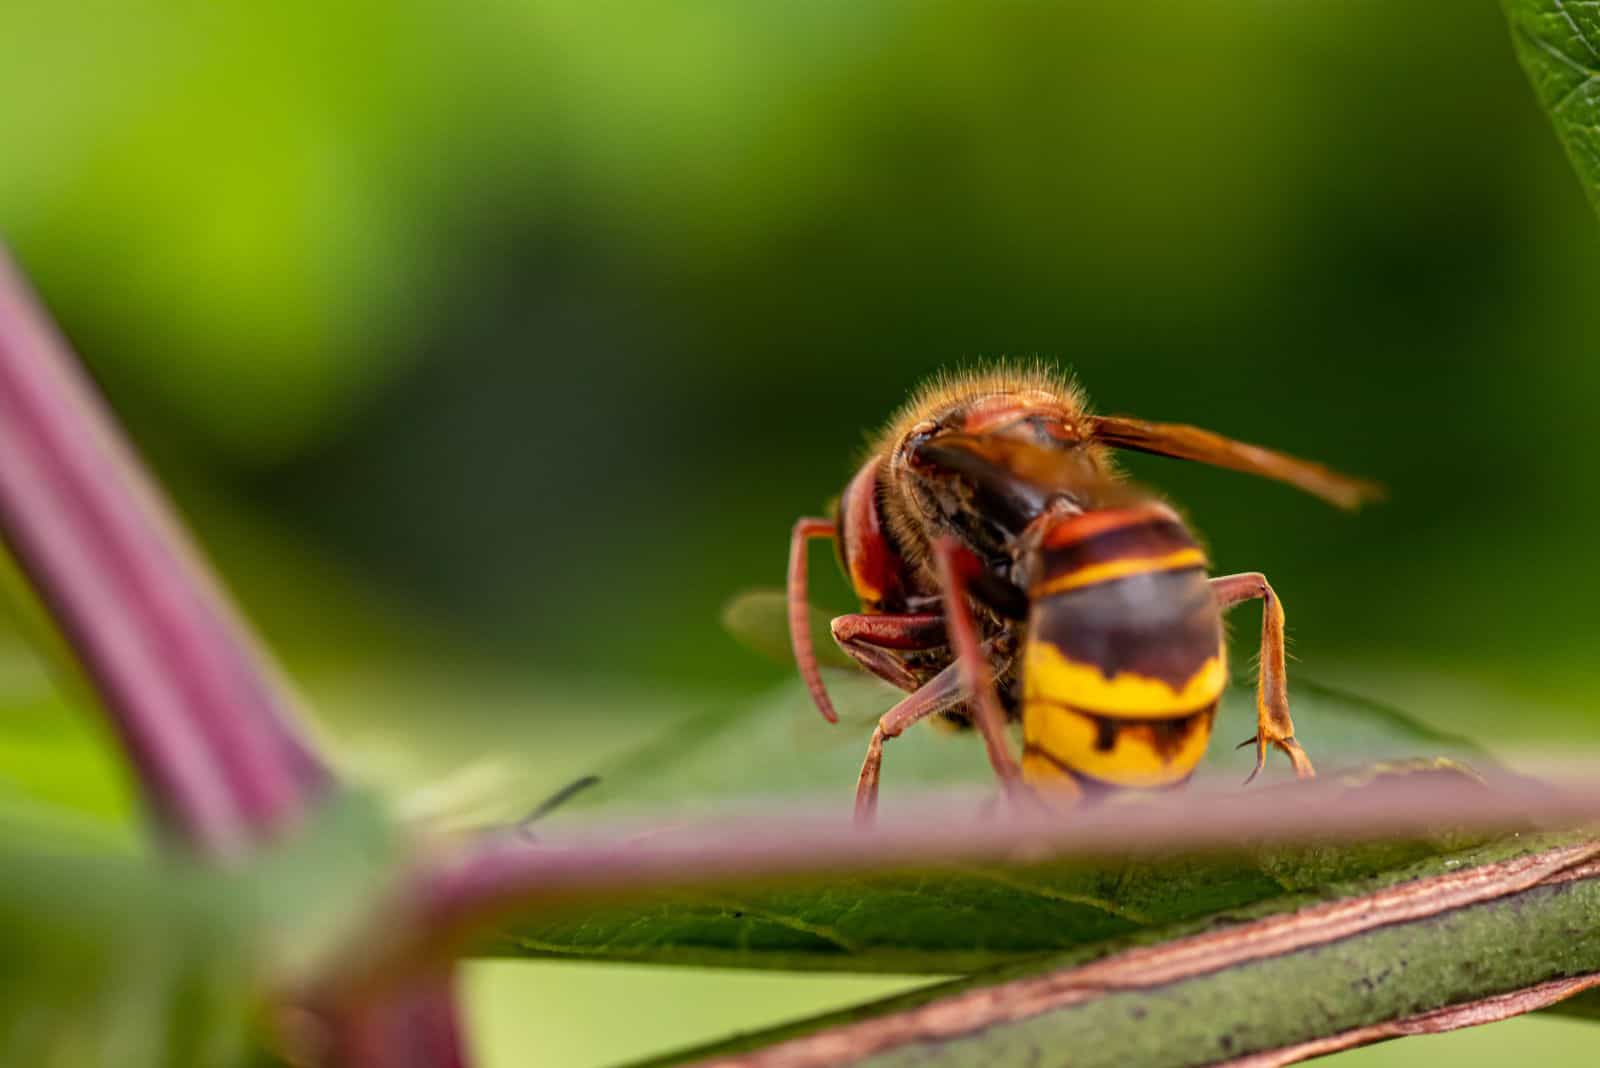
(941, 692)
(880, 643)
(1273, 725)
(800, 611)
(955, 563)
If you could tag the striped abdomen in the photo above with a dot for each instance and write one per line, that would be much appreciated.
(1125, 660)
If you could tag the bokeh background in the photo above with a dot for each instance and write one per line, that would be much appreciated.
(491, 347)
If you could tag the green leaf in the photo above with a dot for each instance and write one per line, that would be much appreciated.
(122, 961)
(1558, 42)
(779, 749)
(759, 621)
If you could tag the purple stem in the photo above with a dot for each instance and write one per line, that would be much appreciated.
(414, 1026)
(205, 717)
(494, 880)
(201, 713)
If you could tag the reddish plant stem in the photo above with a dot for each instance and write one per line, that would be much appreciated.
(488, 882)
(206, 719)
(200, 711)
(413, 1026)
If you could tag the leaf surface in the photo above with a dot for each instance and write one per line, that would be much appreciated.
(778, 750)
(1558, 43)
(759, 621)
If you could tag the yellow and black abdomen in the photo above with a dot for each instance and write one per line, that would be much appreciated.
(1125, 659)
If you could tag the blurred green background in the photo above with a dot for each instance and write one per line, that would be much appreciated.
(491, 347)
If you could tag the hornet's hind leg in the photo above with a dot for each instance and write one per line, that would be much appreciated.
(1273, 725)
(955, 566)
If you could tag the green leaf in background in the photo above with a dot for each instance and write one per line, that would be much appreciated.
(778, 749)
(113, 960)
(1558, 42)
(759, 621)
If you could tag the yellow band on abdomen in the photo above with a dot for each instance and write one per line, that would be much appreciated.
(1139, 755)
(1090, 574)
(1048, 675)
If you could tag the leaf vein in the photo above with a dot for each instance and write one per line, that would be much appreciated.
(793, 923)
(1576, 31)
(1559, 56)
(1105, 905)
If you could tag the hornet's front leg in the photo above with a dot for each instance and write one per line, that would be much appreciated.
(1273, 725)
(880, 643)
(883, 643)
(805, 657)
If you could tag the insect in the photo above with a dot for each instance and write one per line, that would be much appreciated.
(1005, 567)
